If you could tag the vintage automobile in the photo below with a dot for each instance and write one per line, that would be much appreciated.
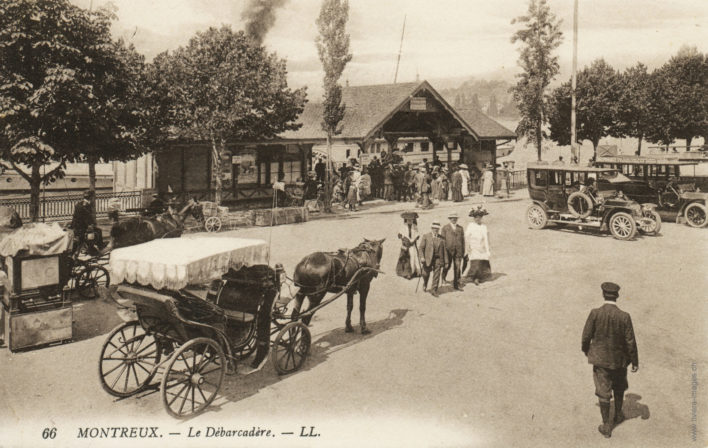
(559, 197)
(676, 196)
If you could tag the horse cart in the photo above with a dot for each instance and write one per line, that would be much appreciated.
(202, 306)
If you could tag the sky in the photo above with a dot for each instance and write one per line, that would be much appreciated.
(445, 42)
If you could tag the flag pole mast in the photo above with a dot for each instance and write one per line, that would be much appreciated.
(573, 136)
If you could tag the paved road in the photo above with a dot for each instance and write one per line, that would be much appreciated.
(496, 365)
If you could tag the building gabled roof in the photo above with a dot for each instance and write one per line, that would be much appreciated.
(368, 107)
(484, 126)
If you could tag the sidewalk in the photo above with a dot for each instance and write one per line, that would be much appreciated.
(381, 206)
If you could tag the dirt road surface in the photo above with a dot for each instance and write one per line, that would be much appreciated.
(496, 365)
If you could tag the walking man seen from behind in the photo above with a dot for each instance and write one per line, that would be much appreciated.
(609, 344)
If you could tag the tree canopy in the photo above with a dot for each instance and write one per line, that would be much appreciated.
(67, 91)
(539, 35)
(598, 90)
(224, 86)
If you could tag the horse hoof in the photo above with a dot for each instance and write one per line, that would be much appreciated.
(349, 329)
(365, 331)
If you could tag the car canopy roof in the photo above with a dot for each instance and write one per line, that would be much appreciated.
(572, 168)
(638, 160)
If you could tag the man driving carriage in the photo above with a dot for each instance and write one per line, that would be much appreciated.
(83, 223)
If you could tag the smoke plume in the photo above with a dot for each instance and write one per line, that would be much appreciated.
(260, 17)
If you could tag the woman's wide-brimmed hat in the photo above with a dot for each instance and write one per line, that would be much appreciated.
(478, 212)
(409, 215)
(463, 166)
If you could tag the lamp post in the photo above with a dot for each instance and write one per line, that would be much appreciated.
(573, 83)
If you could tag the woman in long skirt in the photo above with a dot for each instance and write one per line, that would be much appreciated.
(477, 248)
(464, 171)
(456, 186)
(408, 262)
(488, 182)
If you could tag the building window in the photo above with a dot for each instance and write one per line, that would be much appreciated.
(349, 151)
(408, 147)
(424, 146)
(378, 147)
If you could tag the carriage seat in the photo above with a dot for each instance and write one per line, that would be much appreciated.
(239, 316)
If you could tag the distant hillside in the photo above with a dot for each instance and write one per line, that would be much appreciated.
(491, 97)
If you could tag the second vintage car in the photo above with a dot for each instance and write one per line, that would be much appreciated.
(564, 195)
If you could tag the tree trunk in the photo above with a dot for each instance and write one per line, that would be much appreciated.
(688, 143)
(539, 141)
(216, 171)
(639, 145)
(595, 143)
(35, 184)
(328, 180)
(92, 184)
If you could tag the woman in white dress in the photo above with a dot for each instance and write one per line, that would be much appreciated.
(466, 181)
(488, 182)
(477, 248)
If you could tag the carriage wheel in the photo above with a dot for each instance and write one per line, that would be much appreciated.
(536, 216)
(91, 280)
(652, 227)
(128, 358)
(193, 377)
(696, 215)
(212, 224)
(291, 347)
(622, 226)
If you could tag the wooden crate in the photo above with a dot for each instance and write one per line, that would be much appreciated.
(279, 216)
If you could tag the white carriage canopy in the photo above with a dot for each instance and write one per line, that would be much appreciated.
(176, 263)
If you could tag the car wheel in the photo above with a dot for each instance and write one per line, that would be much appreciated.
(622, 226)
(654, 227)
(580, 204)
(536, 216)
(695, 215)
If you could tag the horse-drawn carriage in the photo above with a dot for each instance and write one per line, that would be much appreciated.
(203, 305)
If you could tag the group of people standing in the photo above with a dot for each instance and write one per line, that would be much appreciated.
(445, 247)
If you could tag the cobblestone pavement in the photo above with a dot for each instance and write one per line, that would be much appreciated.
(495, 365)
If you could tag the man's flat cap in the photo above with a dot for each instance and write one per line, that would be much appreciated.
(610, 288)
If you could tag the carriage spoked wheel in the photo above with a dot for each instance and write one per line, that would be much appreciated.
(128, 358)
(193, 377)
(212, 224)
(653, 226)
(91, 280)
(246, 350)
(291, 347)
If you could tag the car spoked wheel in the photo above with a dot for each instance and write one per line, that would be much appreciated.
(536, 216)
(696, 215)
(622, 226)
(650, 223)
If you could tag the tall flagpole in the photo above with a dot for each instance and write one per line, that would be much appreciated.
(400, 48)
(573, 137)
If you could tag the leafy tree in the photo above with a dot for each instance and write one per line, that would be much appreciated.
(474, 102)
(540, 35)
(333, 49)
(59, 99)
(680, 98)
(634, 117)
(224, 86)
(598, 89)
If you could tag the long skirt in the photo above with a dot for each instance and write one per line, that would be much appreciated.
(457, 193)
(479, 270)
(425, 201)
(408, 263)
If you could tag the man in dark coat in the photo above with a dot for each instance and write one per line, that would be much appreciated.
(433, 257)
(83, 219)
(609, 344)
(320, 170)
(454, 236)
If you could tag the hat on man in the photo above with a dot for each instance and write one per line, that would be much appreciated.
(463, 166)
(435, 225)
(87, 194)
(610, 290)
(409, 215)
(452, 215)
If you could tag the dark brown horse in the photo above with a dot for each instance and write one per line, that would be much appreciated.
(138, 229)
(323, 272)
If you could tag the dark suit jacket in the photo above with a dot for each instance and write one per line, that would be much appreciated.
(82, 217)
(608, 338)
(454, 239)
(433, 246)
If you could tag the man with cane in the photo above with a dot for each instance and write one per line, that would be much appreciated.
(434, 257)
(454, 236)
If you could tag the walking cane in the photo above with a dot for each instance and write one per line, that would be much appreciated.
(420, 267)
